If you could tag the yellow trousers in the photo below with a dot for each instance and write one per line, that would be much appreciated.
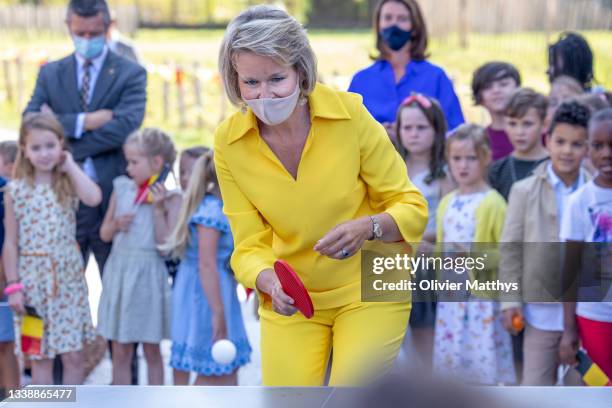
(365, 338)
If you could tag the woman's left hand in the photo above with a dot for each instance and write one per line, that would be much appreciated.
(158, 191)
(344, 240)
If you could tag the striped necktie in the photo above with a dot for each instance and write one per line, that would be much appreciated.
(85, 85)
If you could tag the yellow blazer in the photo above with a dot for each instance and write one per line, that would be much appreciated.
(348, 169)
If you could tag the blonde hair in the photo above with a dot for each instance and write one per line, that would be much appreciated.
(203, 180)
(476, 134)
(154, 142)
(270, 32)
(24, 170)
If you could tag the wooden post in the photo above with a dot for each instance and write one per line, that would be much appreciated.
(463, 24)
(551, 11)
(179, 76)
(6, 67)
(197, 93)
(166, 91)
(20, 86)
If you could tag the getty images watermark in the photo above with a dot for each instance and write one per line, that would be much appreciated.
(448, 272)
(476, 271)
(459, 265)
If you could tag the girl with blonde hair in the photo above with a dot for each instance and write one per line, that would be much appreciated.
(42, 261)
(135, 302)
(205, 305)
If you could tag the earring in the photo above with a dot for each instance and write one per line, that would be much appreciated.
(303, 101)
(243, 107)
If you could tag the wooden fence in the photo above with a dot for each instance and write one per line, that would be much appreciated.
(32, 19)
(443, 17)
(182, 89)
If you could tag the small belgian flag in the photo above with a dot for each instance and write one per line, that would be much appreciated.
(590, 372)
(31, 332)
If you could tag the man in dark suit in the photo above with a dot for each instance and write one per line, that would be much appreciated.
(100, 98)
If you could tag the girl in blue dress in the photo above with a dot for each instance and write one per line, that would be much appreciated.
(204, 301)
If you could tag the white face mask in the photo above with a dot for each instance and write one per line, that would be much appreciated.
(273, 111)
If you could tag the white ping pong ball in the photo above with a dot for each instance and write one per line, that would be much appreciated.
(223, 351)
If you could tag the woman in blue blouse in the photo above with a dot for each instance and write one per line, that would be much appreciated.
(401, 67)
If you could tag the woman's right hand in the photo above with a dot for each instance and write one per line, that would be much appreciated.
(16, 302)
(268, 282)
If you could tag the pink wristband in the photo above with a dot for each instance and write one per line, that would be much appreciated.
(12, 288)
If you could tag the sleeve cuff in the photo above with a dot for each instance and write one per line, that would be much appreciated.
(248, 276)
(410, 221)
(78, 129)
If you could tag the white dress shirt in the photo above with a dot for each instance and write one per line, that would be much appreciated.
(94, 71)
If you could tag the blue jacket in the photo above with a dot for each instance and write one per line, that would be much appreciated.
(382, 95)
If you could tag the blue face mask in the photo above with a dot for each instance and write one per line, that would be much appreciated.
(89, 48)
(395, 37)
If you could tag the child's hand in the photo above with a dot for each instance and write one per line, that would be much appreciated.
(66, 161)
(426, 247)
(16, 302)
(123, 222)
(158, 191)
(568, 347)
(219, 327)
(460, 249)
(509, 317)
(46, 109)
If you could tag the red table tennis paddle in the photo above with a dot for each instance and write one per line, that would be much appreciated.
(293, 286)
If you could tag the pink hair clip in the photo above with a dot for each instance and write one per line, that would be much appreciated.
(418, 98)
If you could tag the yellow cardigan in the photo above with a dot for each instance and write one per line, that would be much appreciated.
(348, 169)
(490, 216)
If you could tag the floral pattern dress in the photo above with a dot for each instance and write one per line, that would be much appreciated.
(470, 340)
(50, 267)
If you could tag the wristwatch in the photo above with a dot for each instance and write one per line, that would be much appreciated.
(377, 231)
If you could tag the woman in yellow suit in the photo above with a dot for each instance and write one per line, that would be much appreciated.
(307, 175)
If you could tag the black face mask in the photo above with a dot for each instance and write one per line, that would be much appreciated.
(395, 37)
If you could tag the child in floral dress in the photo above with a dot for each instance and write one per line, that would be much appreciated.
(42, 261)
(470, 340)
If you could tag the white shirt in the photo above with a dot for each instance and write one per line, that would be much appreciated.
(549, 316)
(588, 218)
(94, 71)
